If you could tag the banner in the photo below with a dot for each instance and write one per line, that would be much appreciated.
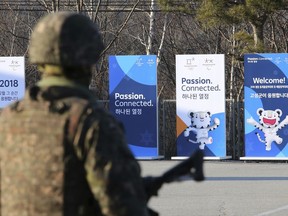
(133, 100)
(266, 112)
(200, 102)
(12, 80)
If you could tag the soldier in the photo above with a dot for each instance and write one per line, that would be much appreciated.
(60, 153)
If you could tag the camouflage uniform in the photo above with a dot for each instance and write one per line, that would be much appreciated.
(63, 155)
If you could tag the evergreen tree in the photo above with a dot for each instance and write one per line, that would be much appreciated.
(215, 13)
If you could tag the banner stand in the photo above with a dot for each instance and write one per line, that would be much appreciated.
(265, 158)
(200, 105)
(205, 158)
(12, 83)
(133, 101)
(265, 110)
(150, 158)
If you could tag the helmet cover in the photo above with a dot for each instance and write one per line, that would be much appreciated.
(67, 39)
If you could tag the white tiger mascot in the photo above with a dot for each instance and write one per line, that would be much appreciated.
(269, 125)
(200, 125)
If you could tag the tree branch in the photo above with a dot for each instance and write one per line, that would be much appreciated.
(121, 28)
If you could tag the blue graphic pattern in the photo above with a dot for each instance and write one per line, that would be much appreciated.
(136, 75)
(185, 148)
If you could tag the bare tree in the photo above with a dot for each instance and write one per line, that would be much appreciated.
(135, 27)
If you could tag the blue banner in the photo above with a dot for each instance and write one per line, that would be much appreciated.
(133, 100)
(266, 94)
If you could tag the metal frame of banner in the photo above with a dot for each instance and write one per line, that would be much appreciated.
(150, 158)
(264, 158)
(205, 158)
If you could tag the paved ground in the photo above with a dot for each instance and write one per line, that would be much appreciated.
(231, 188)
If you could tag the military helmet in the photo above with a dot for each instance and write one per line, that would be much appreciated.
(67, 39)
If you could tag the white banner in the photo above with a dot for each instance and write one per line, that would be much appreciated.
(200, 96)
(12, 80)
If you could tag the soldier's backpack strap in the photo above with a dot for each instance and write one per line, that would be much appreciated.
(81, 118)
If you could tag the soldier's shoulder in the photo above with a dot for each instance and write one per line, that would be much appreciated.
(93, 109)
